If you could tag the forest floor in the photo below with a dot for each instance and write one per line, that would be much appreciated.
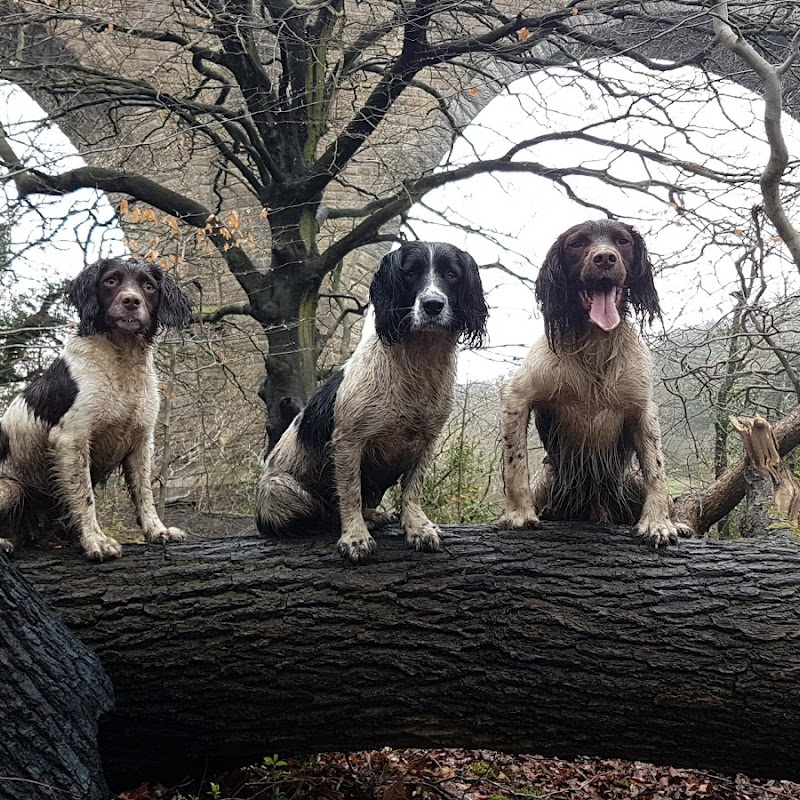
(464, 775)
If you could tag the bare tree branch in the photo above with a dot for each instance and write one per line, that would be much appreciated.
(33, 181)
(770, 77)
(232, 309)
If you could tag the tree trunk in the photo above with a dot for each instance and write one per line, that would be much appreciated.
(773, 493)
(53, 690)
(721, 430)
(569, 640)
(291, 325)
(700, 510)
(290, 377)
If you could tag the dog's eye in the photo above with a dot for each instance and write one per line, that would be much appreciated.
(576, 243)
(623, 240)
(110, 281)
(148, 287)
(451, 275)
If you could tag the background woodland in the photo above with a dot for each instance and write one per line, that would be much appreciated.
(269, 154)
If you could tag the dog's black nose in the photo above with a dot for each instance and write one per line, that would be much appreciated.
(433, 306)
(605, 259)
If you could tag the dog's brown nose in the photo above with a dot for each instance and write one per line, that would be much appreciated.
(131, 300)
(605, 259)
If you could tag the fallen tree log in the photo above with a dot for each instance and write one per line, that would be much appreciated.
(564, 641)
(52, 691)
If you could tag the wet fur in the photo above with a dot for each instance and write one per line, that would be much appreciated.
(591, 394)
(94, 409)
(376, 421)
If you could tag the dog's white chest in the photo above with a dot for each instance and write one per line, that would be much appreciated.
(117, 401)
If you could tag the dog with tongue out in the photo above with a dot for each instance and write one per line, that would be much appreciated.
(589, 384)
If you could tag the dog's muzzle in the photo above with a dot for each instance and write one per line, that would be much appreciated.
(128, 312)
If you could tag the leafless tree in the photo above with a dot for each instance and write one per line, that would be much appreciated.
(755, 332)
(282, 107)
(26, 324)
(745, 362)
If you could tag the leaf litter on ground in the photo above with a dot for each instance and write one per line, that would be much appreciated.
(460, 774)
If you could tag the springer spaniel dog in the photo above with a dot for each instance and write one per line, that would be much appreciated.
(589, 383)
(377, 419)
(94, 408)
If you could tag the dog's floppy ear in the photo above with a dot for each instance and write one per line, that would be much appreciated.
(385, 296)
(81, 292)
(174, 306)
(472, 302)
(552, 293)
(641, 289)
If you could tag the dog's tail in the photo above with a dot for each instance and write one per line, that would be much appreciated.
(281, 502)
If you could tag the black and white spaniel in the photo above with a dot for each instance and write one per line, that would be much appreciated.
(377, 419)
(94, 408)
(589, 384)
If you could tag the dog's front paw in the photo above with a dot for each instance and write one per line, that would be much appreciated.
(6, 547)
(657, 532)
(424, 535)
(356, 545)
(519, 520)
(166, 535)
(101, 548)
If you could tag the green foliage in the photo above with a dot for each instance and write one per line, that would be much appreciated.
(457, 485)
(483, 769)
(274, 762)
(462, 483)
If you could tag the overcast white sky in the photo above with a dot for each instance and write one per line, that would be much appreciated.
(519, 215)
(525, 213)
(63, 234)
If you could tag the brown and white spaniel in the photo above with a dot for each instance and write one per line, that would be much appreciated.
(94, 409)
(589, 384)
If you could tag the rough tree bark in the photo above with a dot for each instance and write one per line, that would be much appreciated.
(569, 640)
(53, 689)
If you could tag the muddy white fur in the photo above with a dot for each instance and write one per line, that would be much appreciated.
(589, 385)
(377, 420)
(95, 408)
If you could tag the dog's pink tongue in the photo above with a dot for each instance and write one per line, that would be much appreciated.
(604, 311)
